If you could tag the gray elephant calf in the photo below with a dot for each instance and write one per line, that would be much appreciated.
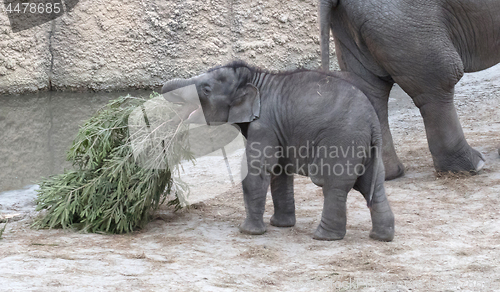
(311, 123)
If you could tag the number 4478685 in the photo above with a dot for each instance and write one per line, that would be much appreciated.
(34, 8)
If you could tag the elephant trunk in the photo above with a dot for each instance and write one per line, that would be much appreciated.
(325, 12)
(183, 91)
(175, 90)
(175, 84)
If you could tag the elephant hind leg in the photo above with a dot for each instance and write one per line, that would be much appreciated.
(333, 219)
(450, 151)
(429, 77)
(380, 211)
(382, 216)
(432, 90)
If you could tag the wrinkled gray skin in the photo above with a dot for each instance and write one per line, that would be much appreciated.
(425, 46)
(298, 109)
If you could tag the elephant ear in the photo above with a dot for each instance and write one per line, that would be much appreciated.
(246, 107)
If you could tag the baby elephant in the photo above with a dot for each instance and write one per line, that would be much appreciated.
(312, 123)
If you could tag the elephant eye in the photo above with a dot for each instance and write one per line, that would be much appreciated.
(206, 90)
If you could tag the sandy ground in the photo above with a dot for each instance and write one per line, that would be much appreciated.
(447, 230)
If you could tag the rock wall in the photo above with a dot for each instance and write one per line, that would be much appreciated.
(117, 44)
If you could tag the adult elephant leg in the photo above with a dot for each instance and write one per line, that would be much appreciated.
(377, 91)
(284, 203)
(394, 167)
(430, 82)
(450, 151)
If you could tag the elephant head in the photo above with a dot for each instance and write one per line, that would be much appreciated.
(216, 99)
(222, 95)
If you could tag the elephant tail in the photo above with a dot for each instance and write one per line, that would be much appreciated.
(325, 12)
(376, 153)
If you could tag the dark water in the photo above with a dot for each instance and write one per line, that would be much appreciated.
(37, 129)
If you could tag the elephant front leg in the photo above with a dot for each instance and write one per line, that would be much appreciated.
(333, 219)
(256, 183)
(450, 151)
(254, 194)
(284, 203)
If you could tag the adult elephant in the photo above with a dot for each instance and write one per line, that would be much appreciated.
(425, 46)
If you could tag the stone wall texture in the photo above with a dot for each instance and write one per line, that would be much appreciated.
(120, 44)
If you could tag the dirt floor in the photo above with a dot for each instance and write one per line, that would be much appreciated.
(447, 231)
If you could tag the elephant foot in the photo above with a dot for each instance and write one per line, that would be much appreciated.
(468, 160)
(253, 227)
(323, 234)
(392, 166)
(382, 234)
(394, 171)
(283, 220)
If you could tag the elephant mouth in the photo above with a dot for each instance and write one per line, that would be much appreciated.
(191, 113)
(190, 110)
(196, 116)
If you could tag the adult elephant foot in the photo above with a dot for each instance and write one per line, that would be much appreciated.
(450, 151)
(466, 160)
(253, 227)
(393, 170)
